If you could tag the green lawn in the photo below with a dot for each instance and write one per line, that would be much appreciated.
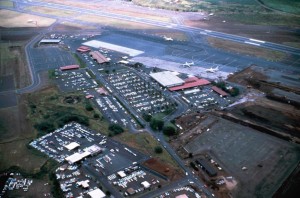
(290, 6)
(9, 4)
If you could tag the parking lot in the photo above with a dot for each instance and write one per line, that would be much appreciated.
(185, 191)
(134, 180)
(258, 161)
(70, 81)
(139, 93)
(50, 57)
(114, 111)
(204, 99)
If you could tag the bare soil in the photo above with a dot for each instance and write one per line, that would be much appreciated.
(163, 169)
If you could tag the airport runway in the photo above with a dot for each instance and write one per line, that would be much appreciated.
(188, 29)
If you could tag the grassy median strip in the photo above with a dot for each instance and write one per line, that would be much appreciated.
(246, 49)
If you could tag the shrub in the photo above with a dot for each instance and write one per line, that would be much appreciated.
(44, 126)
(158, 149)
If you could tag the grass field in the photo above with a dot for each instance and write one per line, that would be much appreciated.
(10, 19)
(290, 6)
(48, 105)
(8, 4)
(247, 49)
(51, 11)
(115, 22)
(146, 144)
(242, 11)
(11, 61)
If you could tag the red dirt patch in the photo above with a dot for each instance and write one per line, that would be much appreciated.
(166, 170)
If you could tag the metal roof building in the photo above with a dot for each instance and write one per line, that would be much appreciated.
(206, 167)
(219, 91)
(189, 83)
(96, 193)
(167, 79)
(98, 57)
(68, 67)
(83, 49)
(72, 146)
(76, 157)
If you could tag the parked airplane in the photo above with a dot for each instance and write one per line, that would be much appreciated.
(187, 64)
(212, 70)
(168, 38)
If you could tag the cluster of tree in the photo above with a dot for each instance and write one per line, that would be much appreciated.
(169, 129)
(234, 91)
(156, 123)
(59, 119)
(115, 129)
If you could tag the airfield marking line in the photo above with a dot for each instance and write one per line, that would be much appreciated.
(251, 43)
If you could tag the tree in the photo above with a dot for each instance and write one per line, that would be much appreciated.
(156, 123)
(89, 107)
(116, 129)
(147, 117)
(158, 149)
(169, 130)
(96, 116)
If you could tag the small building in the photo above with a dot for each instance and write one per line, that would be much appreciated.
(130, 191)
(167, 79)
(96, 193)
(121, 174)
(84, 184)
(146, 184)
(102, 91)
(219, 91)
(83, 49)
(69, 67)
(72, 146)
(203, 163)
(94, 149)
(97, 56)
(89, 96)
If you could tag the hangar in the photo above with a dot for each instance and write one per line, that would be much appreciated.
(167, 79)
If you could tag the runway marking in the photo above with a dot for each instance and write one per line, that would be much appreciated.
(256, 44)
(255, 40)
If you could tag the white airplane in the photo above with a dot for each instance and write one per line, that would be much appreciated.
(212, 70)
(167, 38)
(187, 64)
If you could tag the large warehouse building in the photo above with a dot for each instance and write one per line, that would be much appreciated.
(167, 79)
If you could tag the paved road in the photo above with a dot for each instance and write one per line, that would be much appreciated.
(188, 29)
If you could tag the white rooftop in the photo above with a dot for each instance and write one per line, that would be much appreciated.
(167, 79)
(145, 184)
(92, 149)
(50, 41)
(96, 193)
(77, 157)
(110, 46)
(121, 174)
(72, 145)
